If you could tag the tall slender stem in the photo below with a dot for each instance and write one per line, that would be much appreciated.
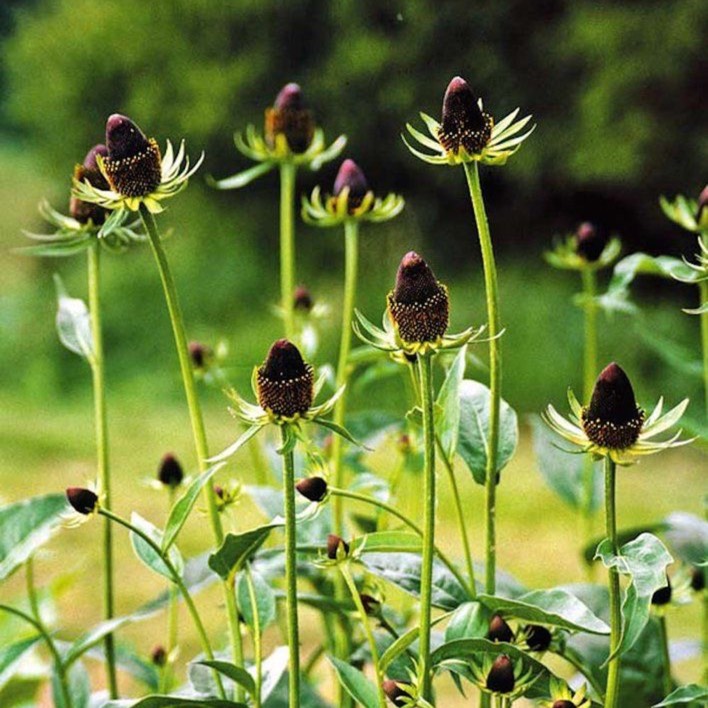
(425, 369)
(614, 585)
(494, 324)
(257, 643)
(291, 573)
(32, 589)
(172, 614)
(197, 421)
(703, 285)
(666, 659)
(104, 477)
(287, 245)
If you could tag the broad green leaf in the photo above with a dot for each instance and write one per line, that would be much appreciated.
(11, 656)
(565, 472)
(237, 674)
(27, 525)
(357, 685)
(469, 620)
(448, 421)
(623, 536)
(182, 508)
(555, 607)
(387, 542)
(237, 548)
(404, 641)
(644, 560)
(473, 442)
(685, 696)
(626, 270)
(265, 600)
(73, 323)
(687, 535)
(147, 554)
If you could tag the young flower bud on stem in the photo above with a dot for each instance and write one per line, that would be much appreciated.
(170, 471)
(158, 656)
(302, 299)
(499, 630)
(333, 544)
(538, 637)
(394, 692)
(662, 596)
(82, 500)
(463, 123)
(501, 676)
(312, 488)
(698, 579)
(563, 703)
(199, 354)
(371, 605)
(290, 117)
(590, 242)
(350, 176)
(89, 171)
(285, 383)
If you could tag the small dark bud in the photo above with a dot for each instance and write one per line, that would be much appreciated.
(170, 471)
(563, 703)
(590, 241)
(698, 579)
(613, 420)
(419, 304)
(285, 383)
(158, 655)
(662, 596)
(199, 354)
(89, 172)
(501, 676)
(82, 500)
(302, 299)
(312, 488)
(702, 211)
(394, 692)
(372, 606)
(463, 124)
(499, 630)
(219, 492)
(333, 543)
(290, 118)
(351, 176)
(404, 444)
(133, 165)
(538, 638)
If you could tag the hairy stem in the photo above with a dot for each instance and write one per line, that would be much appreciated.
(287, 245)
(612, 690)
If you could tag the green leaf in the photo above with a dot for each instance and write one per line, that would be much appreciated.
(356, 684)
(387, 542)
(237, 674)
(469, 620)
(265, 600)
(79, 687)
(274, 667)
(555, 607)
(174, 702)
(644, 560)
(473, 441)
(27, 525)
(238, 547)
(73, 323)
(626, 270)
(10, 657)
(448, 422)
(623, 536)
(147, 554)
(685, 695)
(182, 508)
(404, 641)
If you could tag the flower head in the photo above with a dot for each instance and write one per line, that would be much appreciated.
(170, 472)
(302, 299)
(136, 171)
(612, 424)
(500, 678)
(312, 488)
(337, 547)
(501, 675)
(499, 630)
(562, 696)
(466, 132)
(82, 500)
(84, 212)
(586, 249)
(291, 119)
(537, 637)
(396, 692)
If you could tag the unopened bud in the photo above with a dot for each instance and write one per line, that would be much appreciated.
(350, 176)
(538, 637)
(590, 241)
(394, 692)
(285, 383)
(170, 471)
(499, 630)
(158, 655)
(302, 299)
(463, 123)
(501, 676)
(199, 354)
(312, 488)
(333, 544)
(82, 500)
(290, 117)
(89, 172)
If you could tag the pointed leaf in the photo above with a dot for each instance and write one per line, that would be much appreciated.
(469, 620)
(242, 178)
(357, 685)
(11, 656)
(237, 674)
(147, 554)
(685, 696)
(448, 421)
(265, 600)
(387, 542)
(238, 547)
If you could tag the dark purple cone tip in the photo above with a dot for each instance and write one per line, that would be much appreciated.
(284, 362)
(290, 98)
(415, 282)
(170, 471)
(198, 353)
(350, 175)
(463, 124)
(590, 241)
(662, 596)
(501, 676)
(123, 137)
(499, 630)
(302, 299)
(563, 703)
(290, 117)
(613, 397)
(394, 692)
(702, 204)
(158, 655)
(538, 638)
(333, 543)
(698, 579)
(312, 488)
(219, 492)
(82, 500)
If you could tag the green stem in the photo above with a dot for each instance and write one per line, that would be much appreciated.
(703, 285)
(177, 580)
(31, 589)
(613, 674)
(494, 324)
(172, 617)
(426, 574)
(344, 568)
(291, 573)
(197, 421)
(287, 245)
(257, 644)
(104, 477)
(36, 622)
(666, 659)
(576, 662)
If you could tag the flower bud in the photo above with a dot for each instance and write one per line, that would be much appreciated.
(290, 117)
(662, 596)
(394, 692)
(419, 304)
(312, 488)
(158, 655)
(499, 630)
(538, 637)
(170, 471)
(89, 172)
(302, 299)
(199, 354)
(351, 176)
(372, 606)
(563, 703)
(500, 678)
(285, 383)
(702, 211)
(333, 544)
(612, 420)
(698, 579)
(404, 444)
(82, 500)
(463, 123)
(134, 163)
(219, 492)
(590, 241)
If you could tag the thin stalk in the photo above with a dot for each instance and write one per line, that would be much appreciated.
(257, 644)
(104, 477)
(312, 660)
(344, 568)
(666, 659)
(172, 616)
(703, 285)
(291, 574)
(426, 574)
(196, 419)
(31, 589)
(614, 586)
(494, 324)
(177, 579)
(287, 245)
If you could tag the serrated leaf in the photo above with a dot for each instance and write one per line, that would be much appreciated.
(685, 696)
(265, 600)
(73, 323)
(448, 420)
(147, 554)
(357, 685)
(237, 548)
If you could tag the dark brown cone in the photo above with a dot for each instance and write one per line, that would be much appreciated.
(133, 165)
(501, 676)
(170, 471)
(82, 500)
(590, 242)
(563, 703)
(302, 299)
(698, 579)
(463, 124)
(290, 118)
(613, 420)
(199, 354)
(158, 655)
(89, 172)
(285, 383)
(312, 488)
(333, 543)
(394, 692)
(538, 638)
(419, 304)
(662, 596)
(350, 175)
(499, 630)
